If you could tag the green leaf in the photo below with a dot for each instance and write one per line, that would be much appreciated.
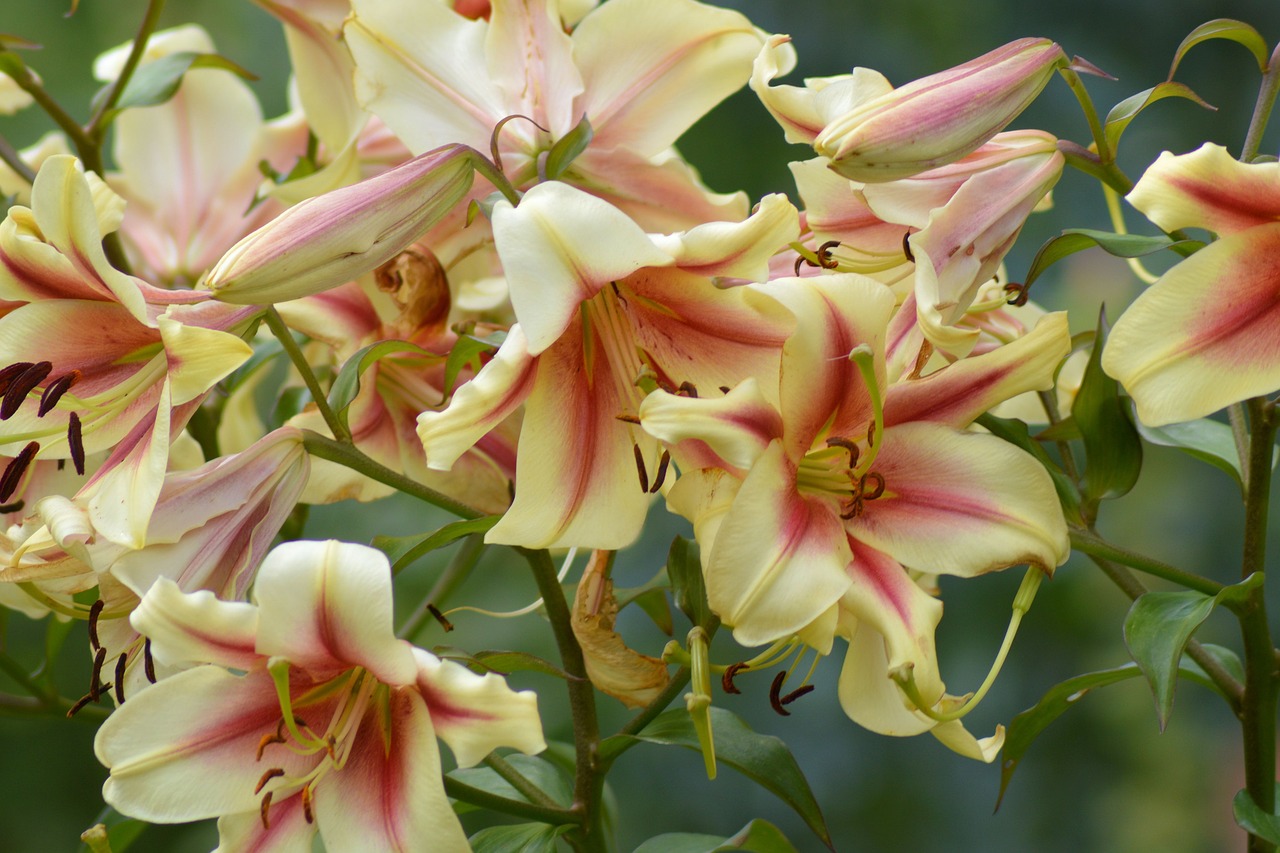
(404, 550)
(568, 147)
(1015, 432)
(1127, 110)
(158, 81)
(1027, 726)
(347, 385)
(1158, 626)
(759, 836)
(1252, 819)
(684, 567)
(517, 838)
(1224, 28)
(11, 65)
(651, 597)
(9, 41)
(502, 662)
(543, 774)
(468, 350)
(1075, 240)
(763, 759)
(1112, 448)
(1207, 440)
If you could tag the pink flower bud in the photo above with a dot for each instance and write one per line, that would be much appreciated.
(334, 238)
(940, 118)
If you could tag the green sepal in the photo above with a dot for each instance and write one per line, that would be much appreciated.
(567, 148)
(763, 759)
(1253, 820)
(1112, 448)
(404, 550)
(1158, 626)
(759, 836)
(517, 838)
(1127, 110)
(467, 350)
(684, 567)
(1074, 240)
(347, 384)
(1224, 28)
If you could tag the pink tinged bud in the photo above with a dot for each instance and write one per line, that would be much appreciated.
(940, 118)
(336, 237)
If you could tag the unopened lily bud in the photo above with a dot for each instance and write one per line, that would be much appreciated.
(336, 237)
(940, 118)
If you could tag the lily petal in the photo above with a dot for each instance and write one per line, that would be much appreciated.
(1208, 188)
(197, 627)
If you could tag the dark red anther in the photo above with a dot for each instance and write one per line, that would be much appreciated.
(75, 440)
(121, 662)
(95, 683)
(877, 489)
(775, 699)
(848, 446)
(640, 470)
(440, 617)
(725, 389)
(266, 807)
(663, 464)
(95, 611)
(796, 694)
(22, 385)
(16, 468)
(16, 506)
(79, 705)
(730, 672)
(1020, 294)
(687, 389)
(273, 773)
(149, 665)
(906, 246)
(801, 260)
(8, 374)
(824, 255)
(871, 433)
(54, 390)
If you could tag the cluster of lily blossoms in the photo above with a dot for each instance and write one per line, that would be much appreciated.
(559, 332)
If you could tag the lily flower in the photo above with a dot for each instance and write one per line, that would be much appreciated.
(601, 304)
(1207, 333)
(307, 714)
(823, 510)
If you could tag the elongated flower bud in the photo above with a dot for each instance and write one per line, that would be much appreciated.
(940, 118)
(333, 238)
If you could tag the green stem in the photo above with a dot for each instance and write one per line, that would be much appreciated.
(1258, 719)
(1134, 588)
(11, 158)
(1096, 129)
(459, 567)
(494, 175)
(1240, 434)
(323, 447)
(477, 797)
(283, 334)
(101, 119)
(588, 783)
(517, 780)
(1049, 401)
(679, 679)
(14, 670)
(1089, 543)
(1267, 91)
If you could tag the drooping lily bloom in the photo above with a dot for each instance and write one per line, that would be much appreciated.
(816, 515)
(641, 71)
(600, 304)
(308, 714)
(95, 359)
(1207, 334)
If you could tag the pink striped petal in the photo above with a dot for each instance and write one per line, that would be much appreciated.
(736, 249)
(531, 59)
(326, 607)
(197, 627)
(1207, 334)
(961, 504)
(1208, 188)
(476, 714)
(732, 430)
(288, 831)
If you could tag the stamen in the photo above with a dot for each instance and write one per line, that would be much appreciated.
(796, 694)
(75, 441)
(644, 475)
(825, 260)
(730, 672)
(16, 506)
(775, 700)
(95, 611)
(725, 389)
(440, 617)
(273, 773)
(16, 468)
(922, 358)
(663, 463)
(266, 804)
(687, 389)
(121, 662)
(79, 705)
(95, 683)
(628, 419)
(906, 246)
(848, 445)
(8, 374)
(269, 739)
(876, 491)
(149, 665)
(1020, 294)
(54, 391)
(306, 804)
(22, 385)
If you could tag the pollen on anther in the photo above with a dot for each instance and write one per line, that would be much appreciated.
(306, 804)
(266, 806)
(273, 773)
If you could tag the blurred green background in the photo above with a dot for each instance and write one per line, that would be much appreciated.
(1102, 778)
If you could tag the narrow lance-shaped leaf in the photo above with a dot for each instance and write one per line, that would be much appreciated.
(567, 149)
(759, 836)
(1127, 110)
(684, 567)
(158, 81)
(1112, 448)
(1224, 28)
(405, 549)
(544, 775)
(764, 759)
(1074, 240)
(347, 385)
(468, 350)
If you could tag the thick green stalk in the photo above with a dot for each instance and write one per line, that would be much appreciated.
(484, 799)
(1267, 91)
(588, 782)
(1090, 543)
(283, 334)
(517, 780)
(97, 127)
